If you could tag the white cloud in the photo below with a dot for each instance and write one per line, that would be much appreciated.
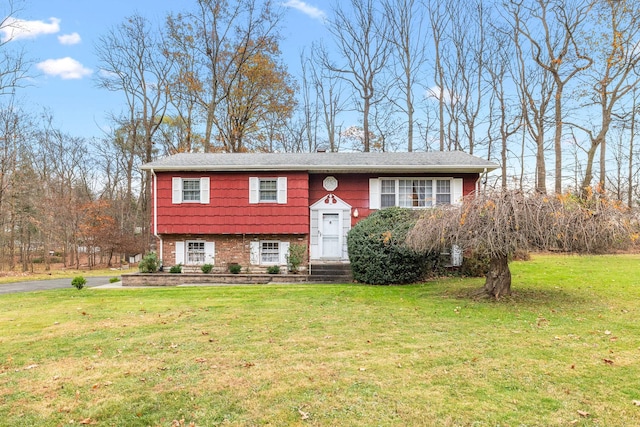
(307, 9)
(447, 96)
(65, 68)
(73, 38)
(16, 29)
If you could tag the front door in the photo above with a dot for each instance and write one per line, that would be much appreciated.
(331, 235)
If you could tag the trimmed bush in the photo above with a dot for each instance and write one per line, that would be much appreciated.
(176, 269)
(78, 282)
(273, 269)
(149, 264)
(114, 280)
(235, 268)
(295, 257)
(207, 268)
(377, 249)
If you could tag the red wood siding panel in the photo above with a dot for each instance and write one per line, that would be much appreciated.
(354, 188)
(229, 211)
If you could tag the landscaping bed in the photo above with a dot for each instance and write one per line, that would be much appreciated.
(168, 279)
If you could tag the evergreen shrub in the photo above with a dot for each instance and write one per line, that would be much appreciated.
(377, 249)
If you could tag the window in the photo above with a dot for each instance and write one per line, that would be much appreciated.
(268, 190)
(443, 192)
(190, 190)
(388, 193)
(269, 252)
(195, 253)
(414, 192)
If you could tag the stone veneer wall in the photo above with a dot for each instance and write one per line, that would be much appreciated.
(168, 279)
(230, 249)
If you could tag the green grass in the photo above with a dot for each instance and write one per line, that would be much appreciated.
(567, 344)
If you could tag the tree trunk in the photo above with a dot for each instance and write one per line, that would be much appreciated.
(498, 278)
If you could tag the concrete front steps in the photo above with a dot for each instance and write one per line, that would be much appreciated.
(330, 272)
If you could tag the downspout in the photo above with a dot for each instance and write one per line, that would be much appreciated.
(155, 214)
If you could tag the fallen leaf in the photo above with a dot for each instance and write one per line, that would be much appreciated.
(636, 402)
(201, 360)
(583, 413)
(608, 361)
(303, 415)
(607, 332)
(87, 421)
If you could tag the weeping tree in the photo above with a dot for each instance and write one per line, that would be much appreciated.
(499, 224)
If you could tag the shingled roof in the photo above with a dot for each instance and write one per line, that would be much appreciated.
(434, 161)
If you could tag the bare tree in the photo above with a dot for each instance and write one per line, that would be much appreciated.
(133, 64)
(536, 89)
(213, 44)
(499, 224)
(552, 28)
(409, 54)
(614, 38)
(329, 94)
(13, 63)
(439, 23)
(359, 31)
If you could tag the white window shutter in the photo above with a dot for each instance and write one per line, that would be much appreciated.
(209, 252)
(282, 190)
(176, 190)
(179, 253)
(456, 191)
(374, 193)
(284, 252)
(254, 190)
(204, 190)
(254, 253)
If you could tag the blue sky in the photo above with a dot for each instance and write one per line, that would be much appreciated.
(60, 36)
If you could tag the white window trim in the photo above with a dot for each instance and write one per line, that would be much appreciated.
(375, 190)
(177, 187)
(281, 189)
(209, 252)
(255, 251)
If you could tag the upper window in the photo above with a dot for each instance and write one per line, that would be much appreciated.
(268, 190)
(414, 193)
(190, 190)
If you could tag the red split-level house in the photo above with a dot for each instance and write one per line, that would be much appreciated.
(248, 208)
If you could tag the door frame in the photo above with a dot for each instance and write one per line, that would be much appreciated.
(330, 204)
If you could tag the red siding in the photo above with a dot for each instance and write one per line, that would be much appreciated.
(354, 188)
(229, 211)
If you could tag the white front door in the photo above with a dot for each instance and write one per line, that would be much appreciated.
(330, 237)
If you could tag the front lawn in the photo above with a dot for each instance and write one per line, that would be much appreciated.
(562, 351)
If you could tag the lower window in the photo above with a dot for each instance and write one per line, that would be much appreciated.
(195, 252)
(269, 252)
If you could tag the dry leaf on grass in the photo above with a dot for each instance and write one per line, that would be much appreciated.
(583, 413)
(303, 415)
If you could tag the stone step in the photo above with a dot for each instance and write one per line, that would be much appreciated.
(330, 279)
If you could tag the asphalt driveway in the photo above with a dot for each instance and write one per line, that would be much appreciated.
(45, 285)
